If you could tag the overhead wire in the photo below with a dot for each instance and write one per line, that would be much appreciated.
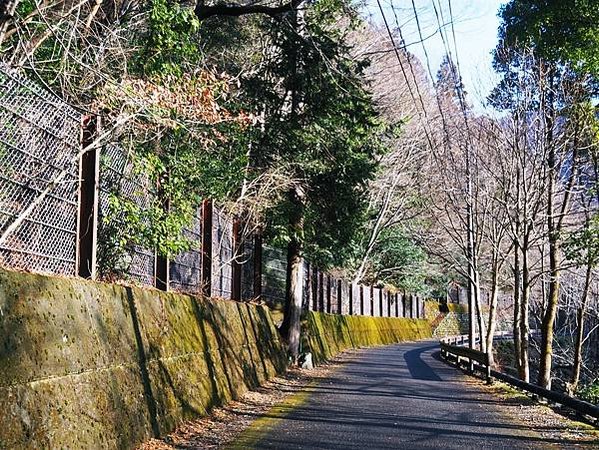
(419, 112)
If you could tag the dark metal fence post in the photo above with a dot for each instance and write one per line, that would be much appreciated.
(339, 297)
(381, 303)
(328, 288)
(161, 262)
(257, 266)
(351, 299)
(372, 301)
(89, 184)
(388, 304)
(361, 300)
(235, 264)
(207, 211)
(396, 304)
(320, 291)
(314, 289)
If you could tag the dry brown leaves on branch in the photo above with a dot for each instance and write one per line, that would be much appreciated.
(173, 102)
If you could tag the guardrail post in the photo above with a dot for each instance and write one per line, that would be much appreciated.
(89, 185)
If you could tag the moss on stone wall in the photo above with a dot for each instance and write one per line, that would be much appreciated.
(93, 365)
(329, 334)
(457, 308)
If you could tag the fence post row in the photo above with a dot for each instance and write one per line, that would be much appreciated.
(319, 284)
(89, 188)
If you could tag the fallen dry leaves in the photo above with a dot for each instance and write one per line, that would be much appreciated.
(551, 423)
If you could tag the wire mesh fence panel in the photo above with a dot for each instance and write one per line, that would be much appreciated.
(274, 275)
(117, 258)
(185, 269)
(39, 146)
(222, 255)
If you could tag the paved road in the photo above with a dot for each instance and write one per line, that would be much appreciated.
(398, 397)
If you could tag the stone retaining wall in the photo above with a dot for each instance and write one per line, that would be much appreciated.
(94, 365)
(329, 334)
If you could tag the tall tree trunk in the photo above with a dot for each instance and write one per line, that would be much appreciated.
(547, 325)
(524, 316)
(479, 313)
(492, 324)
(517, 311)
(291, 326)
(575, 378)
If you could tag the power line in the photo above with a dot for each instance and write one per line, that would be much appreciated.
(395, 47)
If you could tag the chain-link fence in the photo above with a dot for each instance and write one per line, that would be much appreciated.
(42, 194)
(117, 258)
(39, 144)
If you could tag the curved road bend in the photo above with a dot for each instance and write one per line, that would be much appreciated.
(398, 397)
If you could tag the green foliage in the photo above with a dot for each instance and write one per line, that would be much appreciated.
(562, 31)
(182, 175)
(171, 44)
(582, 246)
(400, 261)
(327, 135)
(589, 393)
(25, 7)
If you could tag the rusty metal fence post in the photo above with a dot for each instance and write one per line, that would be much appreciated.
(207, 211)
(257, 266)
(88, 196)
(339, 297)
(237, 245)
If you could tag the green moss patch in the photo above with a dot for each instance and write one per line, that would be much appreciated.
(329, 334)
(94, 365)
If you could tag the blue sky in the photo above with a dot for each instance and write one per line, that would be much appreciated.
(475, 23)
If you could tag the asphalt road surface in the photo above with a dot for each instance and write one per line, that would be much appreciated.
(398, 397)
